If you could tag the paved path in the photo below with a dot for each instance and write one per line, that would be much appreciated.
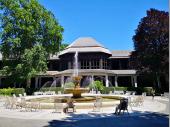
(149, 120)
(157, 118)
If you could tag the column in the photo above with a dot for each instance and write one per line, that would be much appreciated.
(62, 81)
(101, 63)
(90, 64)
(36, 82)
(135, 80)
(132, 81)
(116, 84)
(69, 65)
(106, 80)
(92, 78)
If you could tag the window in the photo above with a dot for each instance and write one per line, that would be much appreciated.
(95, 64)
(105, 64)
(85, 64)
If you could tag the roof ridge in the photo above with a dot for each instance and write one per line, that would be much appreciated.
(85, 42)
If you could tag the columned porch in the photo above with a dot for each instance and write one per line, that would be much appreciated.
(110, 78)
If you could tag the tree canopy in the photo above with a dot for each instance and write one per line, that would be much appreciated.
(151, 42)
(29, 33)
(63, 46)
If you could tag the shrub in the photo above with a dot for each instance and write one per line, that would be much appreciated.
(139, 90)
(69, 85)
(147, 90)
(56, 89)
(97, 85)
(11, 91)
(121, 88)
(108, 89)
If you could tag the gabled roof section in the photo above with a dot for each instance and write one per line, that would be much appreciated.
(85, 44)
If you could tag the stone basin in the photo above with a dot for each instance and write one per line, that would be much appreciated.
(76, 91)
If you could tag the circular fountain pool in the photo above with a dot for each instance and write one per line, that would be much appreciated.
(86, 101)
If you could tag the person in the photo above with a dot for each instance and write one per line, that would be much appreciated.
(70, 104)
(119, 107)
(153, 93)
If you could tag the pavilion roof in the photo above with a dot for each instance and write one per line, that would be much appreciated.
(85, 44)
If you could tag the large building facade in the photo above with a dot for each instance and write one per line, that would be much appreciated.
(95, 62)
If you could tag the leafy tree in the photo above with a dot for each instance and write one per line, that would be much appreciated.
(151, 44)
(29, 33)
(63, 46)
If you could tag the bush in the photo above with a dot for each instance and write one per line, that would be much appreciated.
(121, 88)
(97, 85)
(69, 85)
(147, 90)
(11, 91)
(108, 89)
(56, 89)
(139, 90)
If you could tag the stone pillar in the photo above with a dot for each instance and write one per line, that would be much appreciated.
(116, 84)
(69, 65)
(62, 81)
(132, 81)
(36, 82)
(106, 80)
(89, 64)
(92, 78)
(101, 63)
(135, 80)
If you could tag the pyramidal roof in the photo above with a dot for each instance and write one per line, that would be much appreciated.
(85, 44)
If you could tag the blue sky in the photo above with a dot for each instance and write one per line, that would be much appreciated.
(111, 22)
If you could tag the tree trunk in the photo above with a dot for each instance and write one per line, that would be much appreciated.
(28, 83)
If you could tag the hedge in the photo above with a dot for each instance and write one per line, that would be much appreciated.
(106, 90)
(56, 89)
(139, 90)
(11, 91)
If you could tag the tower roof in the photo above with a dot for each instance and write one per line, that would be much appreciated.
(85, 44)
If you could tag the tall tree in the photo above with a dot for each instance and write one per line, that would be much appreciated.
(29, 33)
(151, 44)
(63, 46)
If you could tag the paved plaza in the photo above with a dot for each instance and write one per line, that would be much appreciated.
(153, 113)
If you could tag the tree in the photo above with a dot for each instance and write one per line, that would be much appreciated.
(63, 46)
(151, 42)
(29, 34)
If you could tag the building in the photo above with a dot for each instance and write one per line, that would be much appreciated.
(95, 62)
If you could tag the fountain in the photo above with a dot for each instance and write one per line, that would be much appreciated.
(76, 91)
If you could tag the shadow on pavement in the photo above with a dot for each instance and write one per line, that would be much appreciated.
(142, 120)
